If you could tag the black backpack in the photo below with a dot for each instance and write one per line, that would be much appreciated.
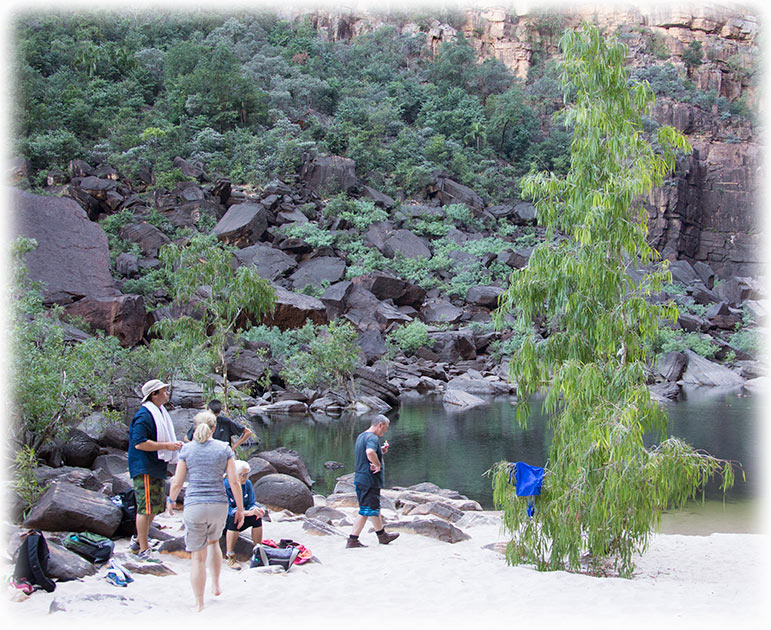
(32, 561)
(127, 502)
(92, 547)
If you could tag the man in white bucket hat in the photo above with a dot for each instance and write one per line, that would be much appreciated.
(152, 446)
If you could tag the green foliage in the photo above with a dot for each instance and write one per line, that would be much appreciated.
(250, 94)
(226, 301)
(604, 489)
(25, 483)
(330, 360)
(693, 55)
(748, 340)
(54, 381)
(670, 340)
(361, 213)
(309, 232)
(283, 344)
(664, 80)
(408, 338)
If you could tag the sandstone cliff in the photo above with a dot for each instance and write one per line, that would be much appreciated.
(709, 212)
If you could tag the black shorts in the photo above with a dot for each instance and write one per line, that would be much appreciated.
(249, 521)
(369, 500)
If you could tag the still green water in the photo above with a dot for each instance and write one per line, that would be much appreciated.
(454, 449)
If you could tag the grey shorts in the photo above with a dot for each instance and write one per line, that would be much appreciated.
(204, 522)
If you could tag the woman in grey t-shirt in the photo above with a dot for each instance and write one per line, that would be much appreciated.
(204, 461)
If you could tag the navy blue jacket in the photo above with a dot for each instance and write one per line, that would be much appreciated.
(142, 428)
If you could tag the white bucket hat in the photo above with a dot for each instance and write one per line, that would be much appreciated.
(152, 386)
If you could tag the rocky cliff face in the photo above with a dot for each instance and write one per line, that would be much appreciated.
(710, 211)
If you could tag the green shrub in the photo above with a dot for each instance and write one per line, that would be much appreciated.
(361, 213)
(747, 340)
(330, 360)
(55, 381)
(283, 344)
(310, 233)
(408, 338)
(25, 483)
(669, 340)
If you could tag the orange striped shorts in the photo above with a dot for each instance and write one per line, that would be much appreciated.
(150, 495)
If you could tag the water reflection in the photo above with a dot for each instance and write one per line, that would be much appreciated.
(454, 449)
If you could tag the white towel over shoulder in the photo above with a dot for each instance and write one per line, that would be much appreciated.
(165, 430)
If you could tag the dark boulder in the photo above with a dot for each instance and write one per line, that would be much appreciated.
(82, 477)
(281, 492)
(123, 316)
(190, 169)
(259, 468)
(729, 291)
(325, 514)
(294, 309)
(672, 365)
(453, 345)
(380, 199)
(270, 262)
(692, 323)
(515, 258)
(485, 296)
(701, 371)
(329, 173)
(315, 271)
(440, 311)
(437, 528)
(105, 431)
(372, 345)
(523, 214)
(287, 462)
(243, 224)
(72, 259)
(701, 294)
(373, 381)
(66, 507)
(245, 364)
(335, 298)
(705, 272)
(386, 286)
(111, 464)
(127, 265)
(149, 238)
(65, 565)
(449, 191)
(79, 449)
(722, 316)
(405, 243)
(683, 272)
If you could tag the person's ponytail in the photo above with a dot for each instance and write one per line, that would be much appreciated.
(205, 422)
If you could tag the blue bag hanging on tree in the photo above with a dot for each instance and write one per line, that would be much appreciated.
(528, 480)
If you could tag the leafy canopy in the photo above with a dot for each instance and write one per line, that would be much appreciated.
(603, 489)
(224, 300)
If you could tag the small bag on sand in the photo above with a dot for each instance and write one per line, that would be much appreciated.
(264, 556)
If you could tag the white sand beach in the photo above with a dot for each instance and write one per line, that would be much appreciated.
(682, 581)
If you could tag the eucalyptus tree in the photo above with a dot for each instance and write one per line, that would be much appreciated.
(225, 300)
(591, 325)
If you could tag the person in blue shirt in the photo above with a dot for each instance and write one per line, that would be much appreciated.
(368, 479)
(252, 515)
(152, 447)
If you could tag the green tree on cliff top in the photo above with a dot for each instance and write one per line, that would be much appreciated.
(604, 490)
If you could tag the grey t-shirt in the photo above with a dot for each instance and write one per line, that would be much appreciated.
(206, 464)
